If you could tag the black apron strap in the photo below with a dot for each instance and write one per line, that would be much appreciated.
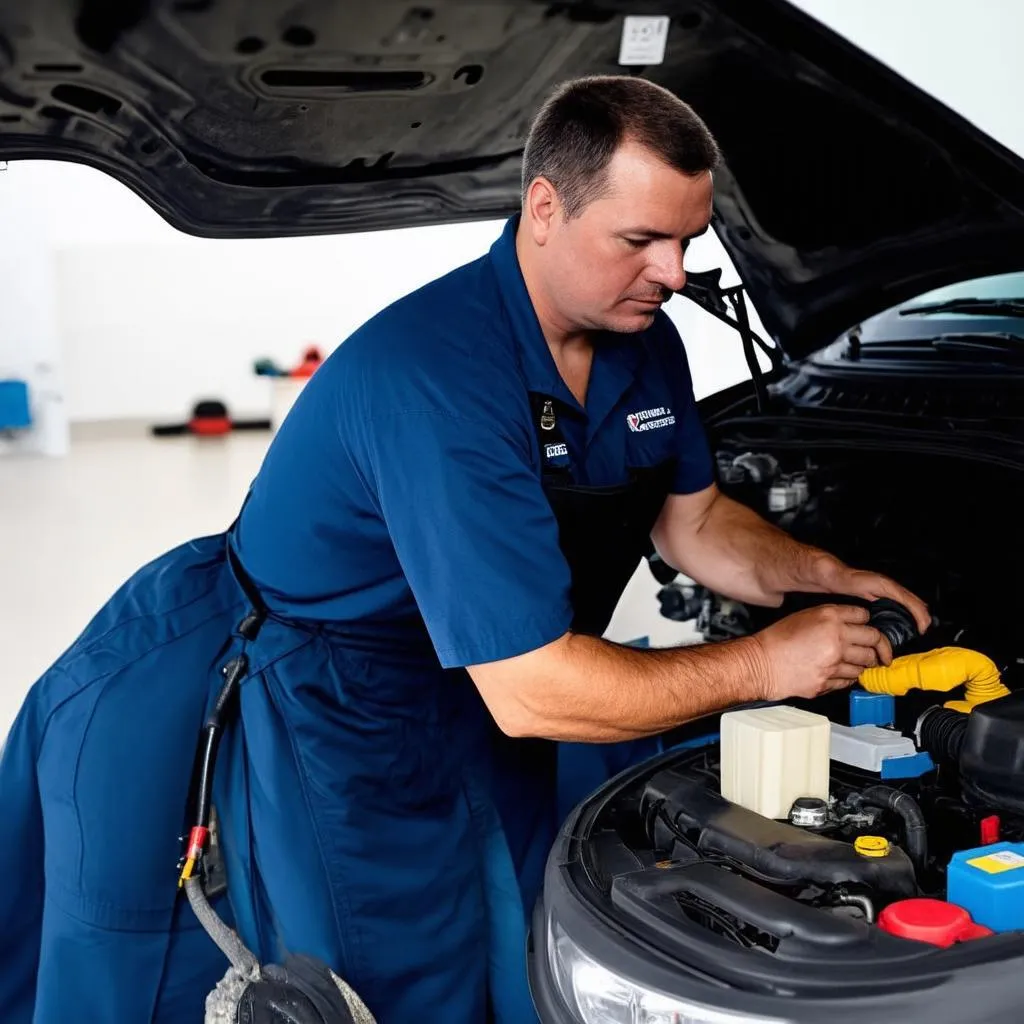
(554, 454)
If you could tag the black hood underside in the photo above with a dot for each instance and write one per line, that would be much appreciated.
(844, 189)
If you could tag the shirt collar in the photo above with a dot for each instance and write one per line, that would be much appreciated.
(542, 375)
(616, 358)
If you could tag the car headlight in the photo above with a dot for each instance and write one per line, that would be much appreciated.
(598, 995)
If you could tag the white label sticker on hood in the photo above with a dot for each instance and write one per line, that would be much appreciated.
(643, 39)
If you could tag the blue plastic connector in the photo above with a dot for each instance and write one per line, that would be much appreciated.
(872, 708)
(909, 767)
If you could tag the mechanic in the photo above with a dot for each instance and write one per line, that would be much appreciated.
(418, 579)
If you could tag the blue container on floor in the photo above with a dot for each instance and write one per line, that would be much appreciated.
(988, 882)
(14, 410)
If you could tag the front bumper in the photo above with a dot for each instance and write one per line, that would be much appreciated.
(969, 991)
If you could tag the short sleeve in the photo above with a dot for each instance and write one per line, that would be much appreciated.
(474, 534)
(694, 468)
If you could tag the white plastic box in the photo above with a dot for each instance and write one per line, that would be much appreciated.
(772, 756)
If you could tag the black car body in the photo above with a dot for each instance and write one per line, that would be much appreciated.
(895, 440)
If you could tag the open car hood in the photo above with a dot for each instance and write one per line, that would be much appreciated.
(844, 190)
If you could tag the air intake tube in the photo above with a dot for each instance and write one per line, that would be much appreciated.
(941, 732)
(942, 669)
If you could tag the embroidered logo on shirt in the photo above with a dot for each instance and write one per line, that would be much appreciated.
(650, 419)
(552, 451)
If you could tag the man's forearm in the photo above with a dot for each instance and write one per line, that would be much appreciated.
(586, 689)
(735, 552)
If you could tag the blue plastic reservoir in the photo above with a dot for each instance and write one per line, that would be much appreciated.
(988, 882)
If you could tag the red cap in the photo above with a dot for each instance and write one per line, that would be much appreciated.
(990, 830)
(933, 921)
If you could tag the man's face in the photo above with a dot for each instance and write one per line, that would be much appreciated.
(612, 266)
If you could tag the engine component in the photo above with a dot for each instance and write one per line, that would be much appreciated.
(809, 812)
(788, 493)
(934, 921)
(860, 901)
(913, 766)
(941, 732)
(680, 602)
(989, 827)
(759, 467)
(771, 756)
(988, 746)
(751, 914)
(942, 669)
(868, 746)
(894, 621)
(871, 708)
(988, 882)
(676, 805)
(722, 619)
(872, 846)
(915, 829)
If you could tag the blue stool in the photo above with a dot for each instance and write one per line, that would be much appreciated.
(14, 410)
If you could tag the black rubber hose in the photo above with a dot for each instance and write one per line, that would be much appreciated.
(233, 672)
(915, 828)
(942, 732)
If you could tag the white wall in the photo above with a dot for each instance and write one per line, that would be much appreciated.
(152, 320)
(188, 320)
(29, 338)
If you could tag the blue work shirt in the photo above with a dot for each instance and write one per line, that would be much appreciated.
(401, 499)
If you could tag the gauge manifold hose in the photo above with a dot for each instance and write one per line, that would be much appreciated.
(942, 669)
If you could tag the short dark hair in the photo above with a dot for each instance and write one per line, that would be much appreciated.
(585, 120)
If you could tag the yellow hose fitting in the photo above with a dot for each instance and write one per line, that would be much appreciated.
(943, 669)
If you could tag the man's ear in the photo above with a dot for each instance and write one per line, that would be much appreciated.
(542, 207)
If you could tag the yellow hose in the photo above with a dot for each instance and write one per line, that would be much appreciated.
(942, 669)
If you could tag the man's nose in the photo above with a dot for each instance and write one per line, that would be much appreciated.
(667, 268)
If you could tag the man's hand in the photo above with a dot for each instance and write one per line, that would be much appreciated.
(836, 578)
(818, 650)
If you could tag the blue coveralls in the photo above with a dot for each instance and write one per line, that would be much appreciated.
(403, 526)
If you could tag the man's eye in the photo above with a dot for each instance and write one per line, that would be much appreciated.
(637, 243)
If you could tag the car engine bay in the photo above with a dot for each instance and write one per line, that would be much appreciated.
(908, 846)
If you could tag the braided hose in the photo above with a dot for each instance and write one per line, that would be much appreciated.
(222, 1002)
(226, 939)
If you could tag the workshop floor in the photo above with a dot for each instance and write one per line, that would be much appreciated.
(73, 529)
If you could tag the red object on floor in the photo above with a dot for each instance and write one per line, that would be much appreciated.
(212, 426)
(934, 921)
(311, 360)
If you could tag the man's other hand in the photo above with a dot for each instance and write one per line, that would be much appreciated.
(837, 578)
(818, 650)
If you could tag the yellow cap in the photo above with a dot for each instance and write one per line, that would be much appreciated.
(872, 846)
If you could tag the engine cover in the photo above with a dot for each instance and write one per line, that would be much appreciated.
(772, 848)
(992, 755)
